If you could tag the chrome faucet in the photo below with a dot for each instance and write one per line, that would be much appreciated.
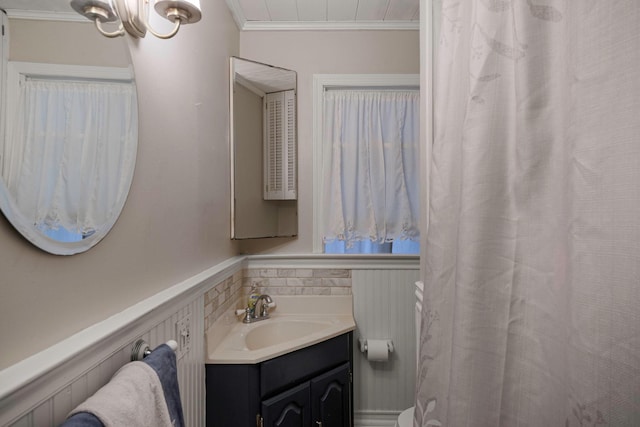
(251, 314)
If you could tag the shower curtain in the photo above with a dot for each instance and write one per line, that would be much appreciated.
(531, 260)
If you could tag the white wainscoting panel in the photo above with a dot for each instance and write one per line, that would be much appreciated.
(41, 390)
(53, 411)
(384, 304)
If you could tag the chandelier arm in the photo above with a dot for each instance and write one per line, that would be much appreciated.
(172, 33)
(119, 32)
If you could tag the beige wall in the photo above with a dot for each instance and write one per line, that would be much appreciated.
(175, 223)
(313, 52)
(72, 43)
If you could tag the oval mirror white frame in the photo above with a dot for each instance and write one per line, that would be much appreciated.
(33, 235)
(20, 221)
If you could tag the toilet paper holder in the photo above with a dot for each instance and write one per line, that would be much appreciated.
(364, 346)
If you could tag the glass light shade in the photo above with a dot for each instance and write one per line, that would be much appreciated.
(102, 10)
(187, 11)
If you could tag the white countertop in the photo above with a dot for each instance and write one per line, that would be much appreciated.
(333, 314)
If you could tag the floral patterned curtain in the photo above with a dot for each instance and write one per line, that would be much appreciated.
(531, 262)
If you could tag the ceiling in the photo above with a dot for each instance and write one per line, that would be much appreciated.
(325, 14)
(270, 14)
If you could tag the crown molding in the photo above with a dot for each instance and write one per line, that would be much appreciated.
(39, 15)
(237, 13)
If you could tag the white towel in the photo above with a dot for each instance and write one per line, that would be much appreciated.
(133, 397)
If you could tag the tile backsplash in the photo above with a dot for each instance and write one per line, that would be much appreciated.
(230, 293)
(221, 297)
(298, 281)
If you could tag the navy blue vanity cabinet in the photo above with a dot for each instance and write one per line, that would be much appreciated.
(309, 387)
(325, 400)
(289, 409)
(331, 398)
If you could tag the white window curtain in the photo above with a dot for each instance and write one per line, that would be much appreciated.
(70, 145)
(531, 263)
(370, 171)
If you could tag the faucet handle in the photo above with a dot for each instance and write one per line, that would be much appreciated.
(266, 303)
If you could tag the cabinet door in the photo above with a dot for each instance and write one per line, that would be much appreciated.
(331, 398)
(288, 409)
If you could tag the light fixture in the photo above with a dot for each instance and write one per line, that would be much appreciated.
(133, 15)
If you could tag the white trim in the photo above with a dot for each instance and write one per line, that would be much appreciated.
(232, 155)
(352, 262)
(318, 91)
(320, 83)
(426, 115)
(4, 58)
(38, 69)
(237, 13)
(29, 382)
(375, 418)
(41, 15)
(329, 25)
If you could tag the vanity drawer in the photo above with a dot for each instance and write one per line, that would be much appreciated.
(292, 368)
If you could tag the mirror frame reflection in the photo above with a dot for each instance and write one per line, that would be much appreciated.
(54, 66)
(255, 212)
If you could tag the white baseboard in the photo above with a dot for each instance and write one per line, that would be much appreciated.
(375, 418)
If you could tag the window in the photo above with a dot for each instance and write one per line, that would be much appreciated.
(368, 142)
(369, 247)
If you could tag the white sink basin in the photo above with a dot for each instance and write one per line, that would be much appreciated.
(295, 323)
(267, 334)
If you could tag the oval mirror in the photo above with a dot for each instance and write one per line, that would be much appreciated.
(69, 127)
(263, 150)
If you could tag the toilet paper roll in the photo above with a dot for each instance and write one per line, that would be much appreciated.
(377, 350)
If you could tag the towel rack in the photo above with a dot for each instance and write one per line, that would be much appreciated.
(141, 349)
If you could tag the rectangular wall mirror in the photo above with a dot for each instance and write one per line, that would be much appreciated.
(263, 150)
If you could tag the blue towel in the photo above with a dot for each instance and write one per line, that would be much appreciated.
(82, 419)
(163, 361)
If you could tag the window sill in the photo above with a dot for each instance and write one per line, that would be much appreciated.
(351, 261)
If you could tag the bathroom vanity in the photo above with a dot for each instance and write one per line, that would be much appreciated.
(294, 369)
(309, 386)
